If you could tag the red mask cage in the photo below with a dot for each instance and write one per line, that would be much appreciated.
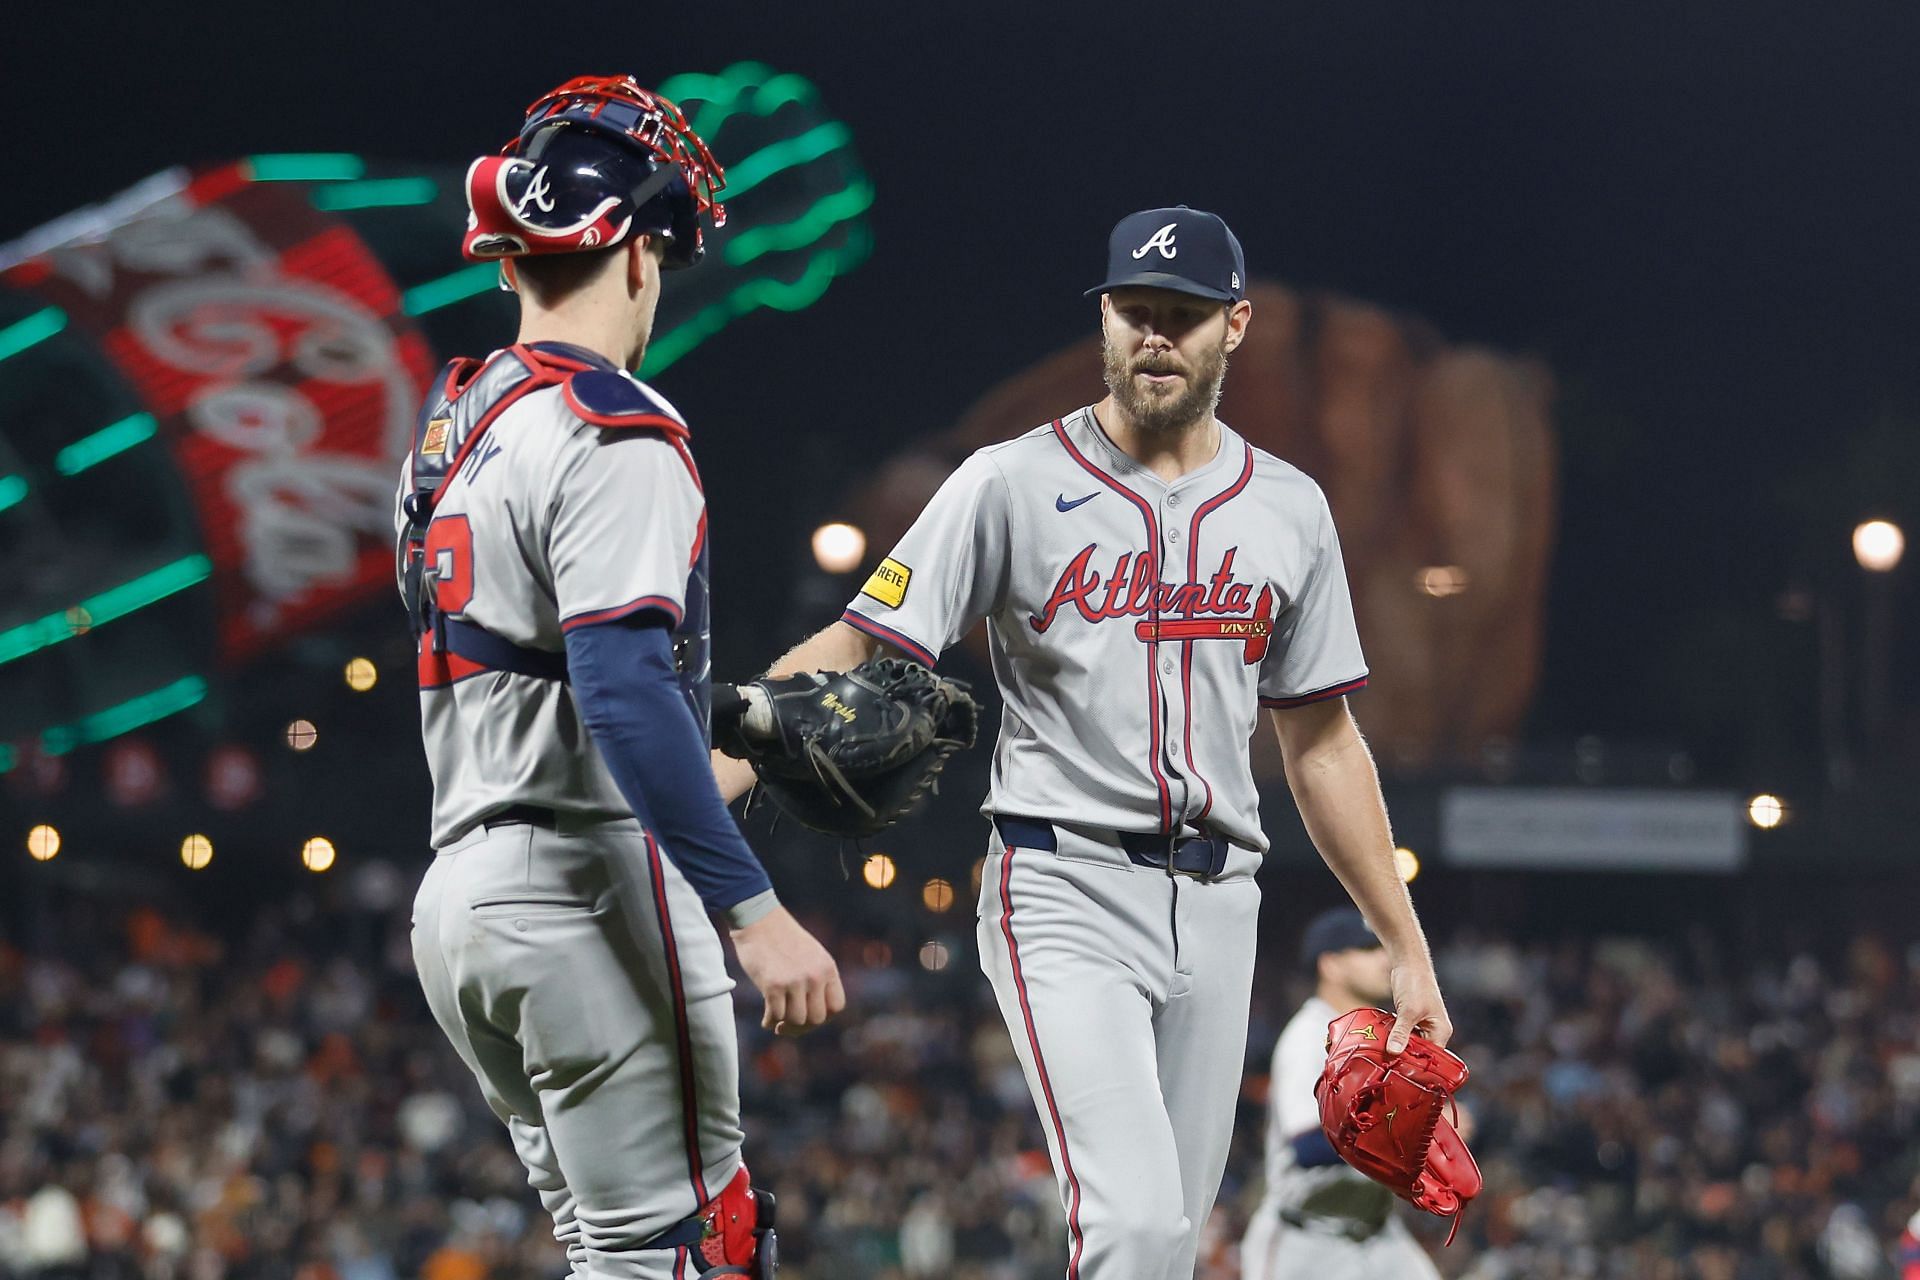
(620, 104)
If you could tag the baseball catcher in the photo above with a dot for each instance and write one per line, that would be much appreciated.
(847, 754)
(1386, 1114)
(552, 551)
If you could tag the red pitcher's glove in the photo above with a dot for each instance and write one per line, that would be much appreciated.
(1385, 1114)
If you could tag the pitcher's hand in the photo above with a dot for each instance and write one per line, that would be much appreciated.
(1417, 1005)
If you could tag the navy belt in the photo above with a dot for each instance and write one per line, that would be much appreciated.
(522, 814)
(681, 1235)
(1203, 855)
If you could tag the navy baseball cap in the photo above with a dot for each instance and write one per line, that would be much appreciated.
(1184, 249)
(1338, 929)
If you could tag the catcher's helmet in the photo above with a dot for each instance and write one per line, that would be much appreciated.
(599, 160)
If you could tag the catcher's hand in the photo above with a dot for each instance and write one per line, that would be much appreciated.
(1384, 1113)
(851, 753)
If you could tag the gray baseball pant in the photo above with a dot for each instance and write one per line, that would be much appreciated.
(1126, 992)
(579, 978)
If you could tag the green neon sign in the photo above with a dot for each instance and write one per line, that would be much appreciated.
(107, 442)
(36, 328)
(310, 167)
(109, 605)
(126, 716)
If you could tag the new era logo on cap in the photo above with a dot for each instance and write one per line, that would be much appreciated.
(1188, 250)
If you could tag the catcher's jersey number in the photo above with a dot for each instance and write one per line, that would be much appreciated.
(450, 561)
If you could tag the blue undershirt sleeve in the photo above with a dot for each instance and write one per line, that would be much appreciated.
(623, 678)
(1311, 1150)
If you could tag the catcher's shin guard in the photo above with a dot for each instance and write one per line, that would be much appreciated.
(729, 1235)
(737, 1236)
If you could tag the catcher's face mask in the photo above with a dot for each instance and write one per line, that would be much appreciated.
(599, 160)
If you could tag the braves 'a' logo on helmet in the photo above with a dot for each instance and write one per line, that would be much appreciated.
(597, 160)
(539, 192)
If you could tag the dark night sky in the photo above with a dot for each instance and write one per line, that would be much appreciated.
(1702, 216)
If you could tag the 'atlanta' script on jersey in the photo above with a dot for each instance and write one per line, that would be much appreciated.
(1133, 590)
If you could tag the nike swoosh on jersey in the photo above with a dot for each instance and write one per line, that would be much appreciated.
(1061, 504)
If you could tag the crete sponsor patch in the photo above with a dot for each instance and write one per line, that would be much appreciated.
(888, 584)
(436, 439)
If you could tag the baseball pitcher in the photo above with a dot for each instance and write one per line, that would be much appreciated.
(553, 557)
(1150, 581)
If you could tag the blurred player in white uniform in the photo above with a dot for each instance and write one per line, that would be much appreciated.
(1319, 1219)
(1150, 582)
(553, 557)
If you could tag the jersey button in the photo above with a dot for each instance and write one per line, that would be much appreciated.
(1173, 535)
(1166, 665)
(1173, 499)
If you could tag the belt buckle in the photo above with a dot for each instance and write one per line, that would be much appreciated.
(1216, 855)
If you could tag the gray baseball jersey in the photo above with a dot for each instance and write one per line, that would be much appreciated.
(550, 522)
(1136, 625)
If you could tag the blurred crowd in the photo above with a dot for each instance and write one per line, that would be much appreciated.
(273, 1101)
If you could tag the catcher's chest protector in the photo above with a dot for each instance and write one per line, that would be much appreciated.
(450, 433)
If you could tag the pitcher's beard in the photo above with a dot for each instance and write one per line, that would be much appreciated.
(1157, 414)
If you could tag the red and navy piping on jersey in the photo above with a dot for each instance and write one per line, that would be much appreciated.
(1337, 690)
(1040, 1063)
(682, 1031)
(662, 604)
(1200, 513)
(912, 648)
(1154, 716)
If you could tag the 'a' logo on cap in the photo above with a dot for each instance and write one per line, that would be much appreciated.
(1161, 240)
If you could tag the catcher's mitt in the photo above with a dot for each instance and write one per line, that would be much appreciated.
(851, 753)
(1384, 1115)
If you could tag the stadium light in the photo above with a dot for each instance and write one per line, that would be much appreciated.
(43, 843)
(1766, 811)
(362, 675)
(937, 896)
(196, 851)
(318, 854)
(934, 956)
(838, 547)
(1878, 545)
(301, 735)
(1407, 863)
(878, 871)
